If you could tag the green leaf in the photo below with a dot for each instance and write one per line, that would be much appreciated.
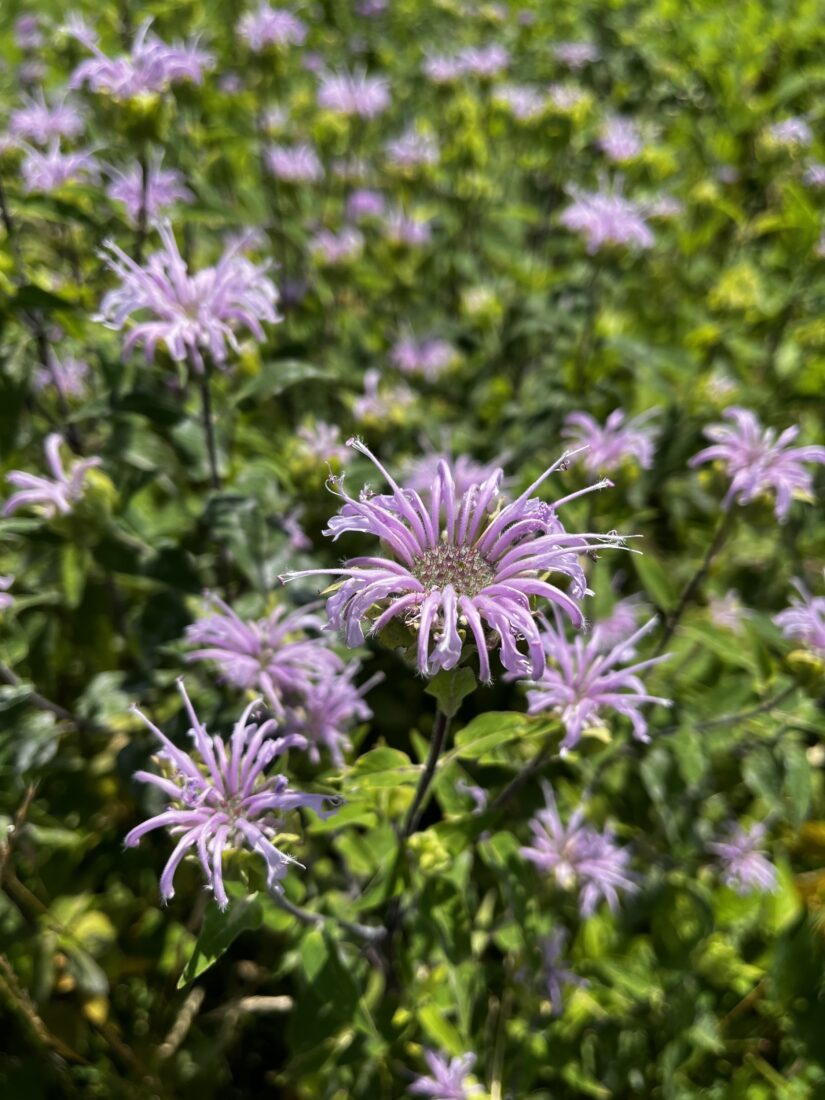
(219, 931)
(450, 688)
(488, 731)
(655, 581)
(276, 377)
(384, 767)
(440, 1031)
(74, 563)
(761, 775)
(797, 783)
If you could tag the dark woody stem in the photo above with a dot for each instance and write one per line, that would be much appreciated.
(208, 420)
(441, 727)
(363, 931)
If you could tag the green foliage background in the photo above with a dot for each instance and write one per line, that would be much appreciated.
(693, 991)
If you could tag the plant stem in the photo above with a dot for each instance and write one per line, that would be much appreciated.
(525, 775)
(366, 932)
(695, 582)
(140, 237)
(441, 727)
(209, 428)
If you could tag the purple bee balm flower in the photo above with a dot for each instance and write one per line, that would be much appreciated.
(457, 568)
(790, 133)
(758, 462)
(28, 33)
(412, 150)
(464, 471)
(441, 69)
(727, 611)
(620, 140)
(556, 974)
(565, 97)
(188, 314)
(606, 218)
(294, 163)
(6, 598)
(324, 442)
(364, 203)
(744, 865)
(405, 229)
(523, 102)
(291, 524)
(620, 624)
(579, 857)
(164, 187)
(54, 495)
(575, 55)
(584, 679)
(428, 357)
(47, 170)
(68, 376)
(377, 405)
(611, 444)
(478, 794)
(804, 620)
(220, 799)
(329, 247)
(814, 175)
(41, 122)
(281, 655)
(486, 62)
(268, 26)
(329, 710)
(152, 67)
(447, 1079)
(354, 93)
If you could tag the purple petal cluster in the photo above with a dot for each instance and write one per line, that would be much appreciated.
(758, 462)
(163, 188)
(447, 1079)
(189, 314)
(42, 123)
(727, 611)
(328, 711)
(68, 376)
(294, 163)
(584, 680)
(323, 441)
(744, 866)
(28, 33)
(575, 55)
(332, 248)
(354, 93)
(47, 170)
(152, 67)
(412, 150)
(220, 799)
(579, 857)
(365, 203)
(380, 405)
(458, 568)
(465, 472)
(790, 133)
(55, 495)
(268, 26)
(610, 444)
(620, 140)
(522, 101)
(484, 61)
(428, 357)
(407, 229)
(6, 598)
(557, 975)
(606, 218)
(804, 620)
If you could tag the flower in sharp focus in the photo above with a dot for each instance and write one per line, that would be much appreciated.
(606, 217)
(221, 800)
(556, 973)
(163, 188)
(757, 461)
(152, 66)
(280, 655)
(328, 711)
(791, 133)
(448, 1079)
(744, 866)
(583, 681)
(47, 170)
(294, 163)
(610, 444)
(428, 357)
(68, 376)
(6, 598)
(55, 495)
(620, 140)
(579, 857)
(268, 26)
(189, 314)
(458, 567)
(354, 93)
(804, 620)
(41, 122)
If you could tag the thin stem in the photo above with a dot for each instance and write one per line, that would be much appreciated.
(441, 727)
(526, 774)
(363, 931)
(209, 428)
(695, 582)
(140, 238)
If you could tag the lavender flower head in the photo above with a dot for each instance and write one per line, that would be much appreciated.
(189, 314)
(443, 69)
(814, 175)
(458, 568)
(584, 679)
(565, 97)
(744, 865)
(428, 357)
(791, 133)
(323, 441)
(47, 170)
(447, 1079)
(6, 598)
(164, 187)
(151, 68)
(294, 163)
(621, 623)
(365, 203)
(380, 405)
(575, 55)
(804, 620)
(329, 247)
(522, 101)
(412, 150)
(579, 857)
(758, 462)
(41, 122)
(354, 93)
(465, 472)
(55, 495)
(281, 655)
(28, 32)
(68, 376)
(328, 711)
(486, 62)
(620, 140)
(268, 26)
(220, 799)
(556, 973)
(407, 229)
(606, 218)
(727, 611)
(611, 444)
